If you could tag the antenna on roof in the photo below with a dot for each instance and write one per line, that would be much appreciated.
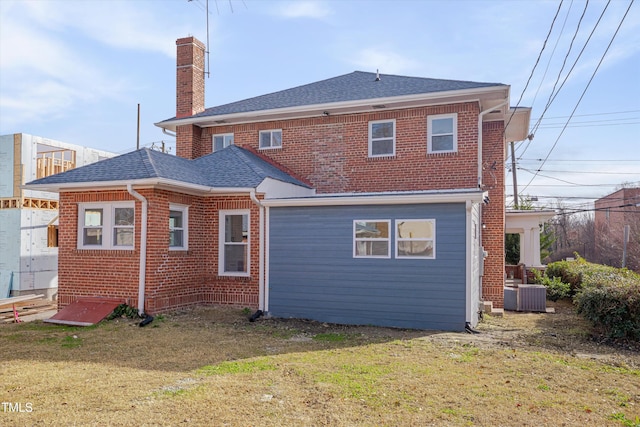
(377, 75)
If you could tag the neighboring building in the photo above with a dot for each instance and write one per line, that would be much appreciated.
(29, 218)
(612, 213)
(363, 199)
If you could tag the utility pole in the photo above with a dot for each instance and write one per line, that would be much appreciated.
(625, 240)
(138, 139)
(515, 178)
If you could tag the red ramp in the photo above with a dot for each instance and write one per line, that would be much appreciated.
(86, 311)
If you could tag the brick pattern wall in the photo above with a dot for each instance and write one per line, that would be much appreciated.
(174, 279)
(493, 215)
(331, 153)
(189, 77)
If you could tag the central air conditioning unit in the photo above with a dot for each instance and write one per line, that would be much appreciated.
(532, 298)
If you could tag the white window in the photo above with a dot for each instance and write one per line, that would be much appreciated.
(222, 140)
(416, 238)
(178, 220)
(106, 225)
(442, 133)
(271, 138)
(382, 138)
(234, 243)
(371, 239)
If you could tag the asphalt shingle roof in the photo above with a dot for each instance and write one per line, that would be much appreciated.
(355, 86)
(232, 167)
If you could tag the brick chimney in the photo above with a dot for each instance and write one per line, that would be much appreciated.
(189, 94)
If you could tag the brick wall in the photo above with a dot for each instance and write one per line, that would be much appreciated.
(493, 215)
(173, 278)
(331, 153)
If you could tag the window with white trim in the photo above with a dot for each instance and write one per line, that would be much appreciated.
(371, 239)
(106, 225)
(416, 238)
(271, 138)
(234, 243)
(382, 138)
(221, 141)
(178, 231)
(442, 133)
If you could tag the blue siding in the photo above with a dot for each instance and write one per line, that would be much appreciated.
(313, 273)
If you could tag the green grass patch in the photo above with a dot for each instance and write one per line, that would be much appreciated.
(71, 341)
(238, 367)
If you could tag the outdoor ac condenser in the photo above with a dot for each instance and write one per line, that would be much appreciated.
(532, 298)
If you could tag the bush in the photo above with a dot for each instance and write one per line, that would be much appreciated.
(613, 306)
(607, 297)
(556, 288)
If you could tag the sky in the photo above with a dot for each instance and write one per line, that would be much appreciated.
(76, 70)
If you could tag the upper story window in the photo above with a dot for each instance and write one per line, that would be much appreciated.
(371, 239)
(271, 138)
(416, 238)
(382, 138)
(178, 220)
(106, 225)
(234, 243)
(222, 140)
(442, 133)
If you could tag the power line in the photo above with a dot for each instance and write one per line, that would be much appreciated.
(586, 88)
(535, 65)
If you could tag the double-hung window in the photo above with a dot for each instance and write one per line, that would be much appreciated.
(382, 138)
(222, 140)
(178, 220)
(371, 239)
(106, 225)
(442, 133)
(416, 238)
(271, 138)
(234, 243)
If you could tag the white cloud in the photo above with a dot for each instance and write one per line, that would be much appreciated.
(304, 9)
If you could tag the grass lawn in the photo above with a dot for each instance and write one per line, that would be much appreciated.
(209, 366)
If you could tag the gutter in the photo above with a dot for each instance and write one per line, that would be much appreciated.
(480, 116)
(261, 264)
(143, 248)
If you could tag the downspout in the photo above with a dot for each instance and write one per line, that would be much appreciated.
(143, 248)
(480, 116)
(166, 132)
(261, 233)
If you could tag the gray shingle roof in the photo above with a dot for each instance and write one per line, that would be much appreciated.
(354, 86)
(232, 167)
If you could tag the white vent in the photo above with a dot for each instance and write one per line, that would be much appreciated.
(532, 298)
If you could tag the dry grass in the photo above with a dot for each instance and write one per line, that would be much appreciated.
(209, 366)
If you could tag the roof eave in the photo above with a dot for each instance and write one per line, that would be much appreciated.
(483, 94)
(168, 184)
(475, 196)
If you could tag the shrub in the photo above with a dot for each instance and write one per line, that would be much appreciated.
(556, 288)
(611, 303)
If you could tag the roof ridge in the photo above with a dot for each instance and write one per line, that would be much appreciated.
(277, 165)
(154, 169)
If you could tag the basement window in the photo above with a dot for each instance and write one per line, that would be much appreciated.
(106, 225)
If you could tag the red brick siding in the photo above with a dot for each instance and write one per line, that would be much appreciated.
(493, 215)
(173, 278)
(332, 152)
